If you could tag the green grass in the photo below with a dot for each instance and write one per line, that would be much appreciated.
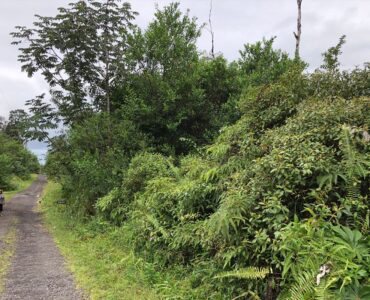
(101, 268)
(7, 251)
(20, 186)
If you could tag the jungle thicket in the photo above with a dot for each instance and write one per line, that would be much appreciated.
(250, 177)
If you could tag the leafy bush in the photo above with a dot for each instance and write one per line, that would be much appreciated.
(91, 159)
(143, 167)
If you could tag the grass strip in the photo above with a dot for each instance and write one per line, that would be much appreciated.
(7, 248)
(101, 268)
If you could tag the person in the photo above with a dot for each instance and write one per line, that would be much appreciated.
(2, 200)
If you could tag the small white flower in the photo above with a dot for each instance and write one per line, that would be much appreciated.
(324, 269)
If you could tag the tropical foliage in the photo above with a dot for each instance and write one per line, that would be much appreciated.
(251, 178)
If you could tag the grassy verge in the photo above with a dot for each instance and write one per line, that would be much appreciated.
(20, 186)
(102, 265)
(6, 252)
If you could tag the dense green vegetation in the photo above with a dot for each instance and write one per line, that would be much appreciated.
(15, 161)
(101, 260)
(245, 179)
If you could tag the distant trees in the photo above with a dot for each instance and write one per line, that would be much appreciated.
(33, 125)
(17, 125)
(15, 160)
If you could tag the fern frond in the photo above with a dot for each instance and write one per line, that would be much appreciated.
(157, 225)
(322, 292)
(303, 286)
(229, 215)
(247, 273)
(356, 166)
(353, 189)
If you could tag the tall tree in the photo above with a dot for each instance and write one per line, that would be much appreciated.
(36, 125)
(164, 89)
(80, 52)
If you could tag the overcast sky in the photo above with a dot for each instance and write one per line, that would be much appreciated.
(235, 22)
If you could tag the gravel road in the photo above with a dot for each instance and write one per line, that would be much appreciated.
(37, 270)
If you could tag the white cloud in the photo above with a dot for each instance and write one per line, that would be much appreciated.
(16, 88)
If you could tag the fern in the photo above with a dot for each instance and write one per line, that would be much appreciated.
(322, 293)
(303, 286)
(247, 273)
(230, 214)
(323, 290)
(356, 166)
(152, 220)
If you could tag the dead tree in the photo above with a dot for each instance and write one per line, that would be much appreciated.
(297, 34)
(211, 30)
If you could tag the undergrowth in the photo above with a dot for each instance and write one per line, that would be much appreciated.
(103, 263)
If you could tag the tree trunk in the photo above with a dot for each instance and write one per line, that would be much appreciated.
(107, 60)
(211, 30)
(297, 34)
(107, 87)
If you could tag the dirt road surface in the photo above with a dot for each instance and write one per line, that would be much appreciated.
(37, 269)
